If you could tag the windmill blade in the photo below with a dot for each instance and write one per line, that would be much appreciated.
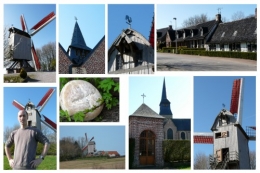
(204, 138)
(86, 137)
(23, 23)
(237, 99)
(18, 105)
(91, 138)
(36, 61)
(45, 99)
(84, 148)
(36, 28)
(49, 123)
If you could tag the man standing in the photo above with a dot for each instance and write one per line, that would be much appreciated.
(25, 140)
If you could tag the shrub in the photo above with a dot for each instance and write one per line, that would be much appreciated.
(23, 73)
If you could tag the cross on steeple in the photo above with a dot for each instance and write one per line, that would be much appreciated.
(143, 97)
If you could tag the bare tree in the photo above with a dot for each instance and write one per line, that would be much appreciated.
(69, 149)
(195, 20)
(238, 16)
(201, 161)
(9, 130)
(49, 133)
(82, 142)
(48, 55)
(252, 156)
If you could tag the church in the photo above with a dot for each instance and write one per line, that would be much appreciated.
(150, 129)
(81, 59)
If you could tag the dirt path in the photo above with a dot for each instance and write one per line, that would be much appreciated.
(38, 77)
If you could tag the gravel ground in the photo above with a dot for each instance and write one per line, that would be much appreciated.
(38, 77)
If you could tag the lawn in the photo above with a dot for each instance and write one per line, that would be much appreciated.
(94, 163)
(49, 163)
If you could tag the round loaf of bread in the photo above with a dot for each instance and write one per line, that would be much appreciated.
(79, 95)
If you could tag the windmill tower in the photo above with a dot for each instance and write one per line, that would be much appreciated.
(34, 113)
(229, 139)
(21, 45)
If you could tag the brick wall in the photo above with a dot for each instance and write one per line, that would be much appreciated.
(137, 125)
(64, 61)
(95, 63)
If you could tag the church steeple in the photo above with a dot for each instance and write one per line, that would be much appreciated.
(78, 48)
(165, 104)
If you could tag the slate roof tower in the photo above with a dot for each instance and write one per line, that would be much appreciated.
(78, 48)
(165, 104)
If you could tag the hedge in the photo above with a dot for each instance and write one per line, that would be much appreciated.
(131, 152)
(176, 150)
(229, 54)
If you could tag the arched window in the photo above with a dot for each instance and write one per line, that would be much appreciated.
(183, 136)
(169, 134)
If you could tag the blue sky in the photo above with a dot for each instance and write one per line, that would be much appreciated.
(166, 12)
(32, 14)
(179, 93)
(107, 138)
(23, 95)
(90, 18)
(209, 95)
(141, 14)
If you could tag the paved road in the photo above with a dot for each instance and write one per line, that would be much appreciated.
(180, 62)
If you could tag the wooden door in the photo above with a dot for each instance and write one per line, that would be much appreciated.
(147, 148)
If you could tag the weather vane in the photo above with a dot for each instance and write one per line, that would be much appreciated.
(128, 20)
(143, 97)
(219, 10)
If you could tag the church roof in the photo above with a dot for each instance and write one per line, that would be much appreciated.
(77, 40)
(146, 111)
(182, 124)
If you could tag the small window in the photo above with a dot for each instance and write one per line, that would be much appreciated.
(235, 33)
(169, 134)
(223, 34)
(201, 32)
(183, 135)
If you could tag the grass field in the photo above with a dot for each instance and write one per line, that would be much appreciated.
(49, 163)
(104, 163)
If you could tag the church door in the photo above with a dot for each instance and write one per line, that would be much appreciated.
(147, 148)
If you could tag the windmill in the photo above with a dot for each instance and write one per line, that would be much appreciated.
(34, 116)
(21, 45)
(229, 139)
(90, 146)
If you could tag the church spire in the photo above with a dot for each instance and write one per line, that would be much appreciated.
(165, 104)
(78, 49)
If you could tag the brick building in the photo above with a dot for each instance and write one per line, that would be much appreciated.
(81, 59)
(149, 129)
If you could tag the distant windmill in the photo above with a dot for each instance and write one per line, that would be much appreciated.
(89, 147)
(128, 20)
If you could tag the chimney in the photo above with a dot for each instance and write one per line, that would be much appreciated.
(218, 17)
(170, 27)
(256, 13)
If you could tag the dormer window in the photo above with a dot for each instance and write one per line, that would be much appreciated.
(223, 34)
(235, 33)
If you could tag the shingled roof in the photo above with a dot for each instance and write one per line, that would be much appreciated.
(207, 27)
(237, 31)
(181, 124)
(146, 111)
(77, 40)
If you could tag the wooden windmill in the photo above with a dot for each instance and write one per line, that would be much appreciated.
(34, 116)
(21, 45)
(229, 139)
(90, 146)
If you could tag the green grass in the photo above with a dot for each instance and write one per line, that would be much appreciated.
(49, 163)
